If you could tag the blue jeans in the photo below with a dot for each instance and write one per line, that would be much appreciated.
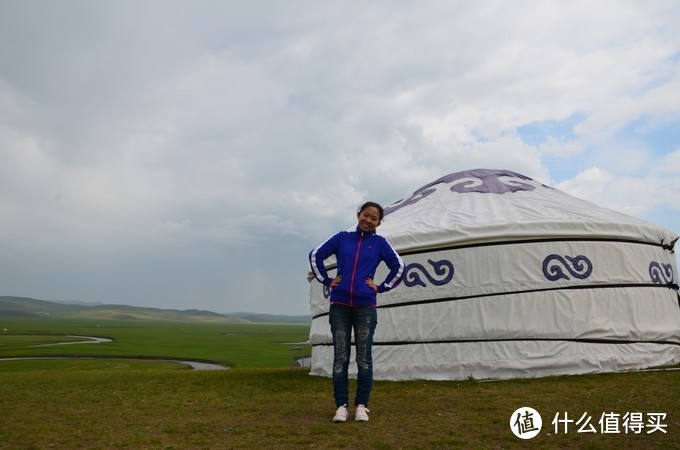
(344, 319)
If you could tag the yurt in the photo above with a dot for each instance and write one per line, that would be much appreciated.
(506, 278)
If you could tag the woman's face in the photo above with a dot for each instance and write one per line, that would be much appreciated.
(369, 219)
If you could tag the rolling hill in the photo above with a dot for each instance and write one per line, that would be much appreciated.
(30, 307)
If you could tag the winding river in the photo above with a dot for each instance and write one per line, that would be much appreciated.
(196, 365)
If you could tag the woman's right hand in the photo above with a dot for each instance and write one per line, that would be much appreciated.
(336, 281)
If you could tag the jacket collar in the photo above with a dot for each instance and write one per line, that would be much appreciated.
(359, 232)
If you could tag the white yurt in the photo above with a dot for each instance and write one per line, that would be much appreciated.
(506, 278)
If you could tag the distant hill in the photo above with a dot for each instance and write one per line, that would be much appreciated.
(271, 318)
(30, 307)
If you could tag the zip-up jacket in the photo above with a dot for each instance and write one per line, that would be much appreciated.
(358, 256)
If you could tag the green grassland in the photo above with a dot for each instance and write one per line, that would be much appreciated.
(108, 399)
(231, 344)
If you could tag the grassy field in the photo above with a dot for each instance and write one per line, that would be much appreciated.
(232, 344)
(113, 403)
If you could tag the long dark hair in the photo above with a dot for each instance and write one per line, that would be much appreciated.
(377, 206)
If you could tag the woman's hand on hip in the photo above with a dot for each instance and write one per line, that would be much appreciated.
(371, 284)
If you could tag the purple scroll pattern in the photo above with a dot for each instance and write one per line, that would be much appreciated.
(660, 273)
(443, 269)
(554, 267)
(485, 181)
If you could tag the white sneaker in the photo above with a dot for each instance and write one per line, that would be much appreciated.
(361, 414)
(341, 414)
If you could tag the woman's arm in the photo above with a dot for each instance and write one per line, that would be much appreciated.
(317, 257)
(396, 266)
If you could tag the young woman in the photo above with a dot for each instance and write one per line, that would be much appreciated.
(353, 301)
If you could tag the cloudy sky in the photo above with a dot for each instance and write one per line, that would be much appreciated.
(189, 154)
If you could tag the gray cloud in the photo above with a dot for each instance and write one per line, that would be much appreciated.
(189, 154)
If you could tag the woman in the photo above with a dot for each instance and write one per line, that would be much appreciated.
(353, 301)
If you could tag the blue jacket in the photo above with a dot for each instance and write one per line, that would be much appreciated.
(358, 255)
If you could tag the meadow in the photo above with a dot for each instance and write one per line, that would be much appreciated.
(119, 395)
(231, 344)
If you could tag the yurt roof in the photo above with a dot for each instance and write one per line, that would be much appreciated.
(493, 205)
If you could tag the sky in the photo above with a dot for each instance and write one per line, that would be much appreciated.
(190, 154)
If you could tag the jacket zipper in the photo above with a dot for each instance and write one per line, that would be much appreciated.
(354, 271)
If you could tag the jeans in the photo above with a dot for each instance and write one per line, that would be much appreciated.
(343, 320)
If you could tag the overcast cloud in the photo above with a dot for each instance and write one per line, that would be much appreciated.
(189, 154)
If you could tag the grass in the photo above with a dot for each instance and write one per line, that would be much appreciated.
(284, 408)
(103, 403)
(242, 345)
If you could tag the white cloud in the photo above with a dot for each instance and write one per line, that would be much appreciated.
(670, 163)
(587, 184)
(634, 195)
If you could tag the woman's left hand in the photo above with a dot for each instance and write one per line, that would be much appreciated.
(372, 284)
